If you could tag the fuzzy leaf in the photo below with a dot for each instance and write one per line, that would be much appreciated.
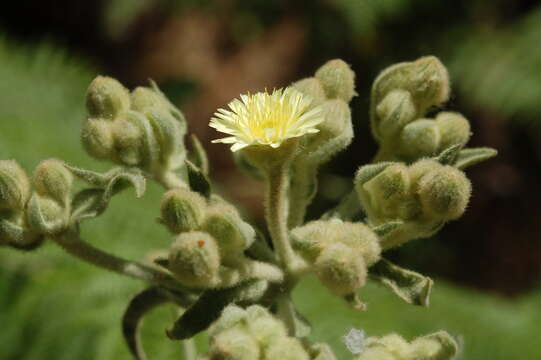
(200, 158)
(469, 157)
(197, 179)
(410, 286)
(90, 203)
(209, 306)
(449, 155)
(387, 228)
(138, 307)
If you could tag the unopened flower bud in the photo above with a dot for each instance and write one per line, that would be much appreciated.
(394, 112)
(194, 259)
(286, 348)
(444, 193)
(144, 99)
(263, 326)
(97, 138)
(388, 193)
(420, 138)
(429, 83)
(234, 344)
(45, 215)
(454, 129)
(313, 88)
(340, 269)
(107, 98)
(52, 179)
(437, 346)
(376, 353)
(338, 80)
(128, 137)
(233, 235)
(14, 186)
(311, 239)
(182, 210)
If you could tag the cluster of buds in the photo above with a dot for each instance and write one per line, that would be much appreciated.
(252, 333)
(138, 129)
(437, 346)
(401, 97)
(331, 89)
(33, 208)
(422, 196)
(339, 253)
(210, 238)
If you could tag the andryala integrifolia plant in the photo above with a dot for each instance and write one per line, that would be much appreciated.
(227, 276)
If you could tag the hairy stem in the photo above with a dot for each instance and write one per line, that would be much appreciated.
(74, 245)
(277, 213)
(286, 312)
(302, 192)
(189, 351)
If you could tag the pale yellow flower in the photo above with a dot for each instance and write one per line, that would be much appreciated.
(267, 119)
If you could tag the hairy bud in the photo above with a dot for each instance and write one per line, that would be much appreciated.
(394, 112)
(128, 138)
(97, 138)
(454, 129)
(444, 193)
(194, 259)
(311, 239)
(14, 186)
(52, 179)
(233, 235)
(429, 83)
(233, 344)
(420, 138)
(313, 88)
(45, 215)
(182, 210)
(107, 98)
(286, 348)
(338, 80)
(340, 269)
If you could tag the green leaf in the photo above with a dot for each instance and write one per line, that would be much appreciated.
(469, 157)
(210, 305)
(138, 307)
(408, 285)
(449, 155)
(387, 228)
(198, 181)
(200, 158)
(90, 203)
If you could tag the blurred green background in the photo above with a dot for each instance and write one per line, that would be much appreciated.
(204, 53)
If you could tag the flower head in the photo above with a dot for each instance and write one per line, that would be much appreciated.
(267, 119)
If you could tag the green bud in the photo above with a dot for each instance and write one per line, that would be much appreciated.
(263, 326)
(233, 235)
(429, 83)
(234, 344)
(420, 138)
(194, 259)
(394, 112)
(437, 346)
(14, 186)
(335, 133)
(286, 348)
(313, 88)
(311, 239)
(338, 80)
(45, 215)
(182, 210)
(387, 195)
(168, 130)
(128, 138)
(454, 129)
(52, 179)
(107, 98)
(444, 193)
(340, 269)
(97, 138)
